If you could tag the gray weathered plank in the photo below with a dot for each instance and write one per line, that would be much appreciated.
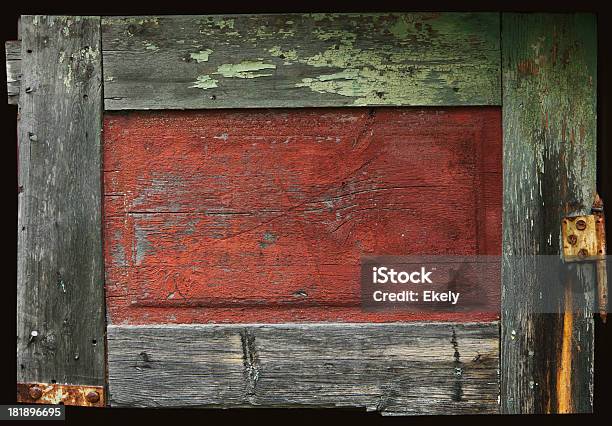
(60, 299)
(549, 121)
(13, 70)
(250, 61)
(393, 368)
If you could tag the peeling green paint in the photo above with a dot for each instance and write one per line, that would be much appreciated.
(333, 59)
(400, 28)
(205, 82)
(265, 32)
(201, 56)
(150, 46)
(153, 20)
(287, 55)
(318, 17)
(339, 36)
(222, 23)
(245, 69)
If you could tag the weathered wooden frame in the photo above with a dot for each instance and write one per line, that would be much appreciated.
(545, 82)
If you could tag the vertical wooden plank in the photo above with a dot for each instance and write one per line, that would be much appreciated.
(60, 301)
(549, 119)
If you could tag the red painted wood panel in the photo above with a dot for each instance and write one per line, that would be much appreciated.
(262, 215)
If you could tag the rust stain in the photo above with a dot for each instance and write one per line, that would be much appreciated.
(564, 373)
(581, 240)
(51, 393)
(528, 67)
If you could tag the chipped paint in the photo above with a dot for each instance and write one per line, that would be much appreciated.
(204, 82)
(333, 60)
(267, 240)
(245, 69)
(150, 46)
(401, 28)
(135, 20)
(201, 56)
(318, 17)
(222, 23)
(288, 55)
(68, 78)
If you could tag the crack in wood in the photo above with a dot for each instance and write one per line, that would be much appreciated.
(251, 363)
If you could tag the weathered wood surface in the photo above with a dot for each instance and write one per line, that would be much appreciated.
(60, 298)
(424, 368)
(263, 215)
(247, 61)
(549, 116)
(13, 70)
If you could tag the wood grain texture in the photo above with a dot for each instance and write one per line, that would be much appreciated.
(13, 70)
(253, 61)
(549, 110)
(391, 368)
(263, 215)
(60, 290)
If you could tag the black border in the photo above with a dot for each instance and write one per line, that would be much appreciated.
(10, 13)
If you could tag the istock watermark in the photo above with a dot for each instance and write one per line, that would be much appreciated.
(473, 283)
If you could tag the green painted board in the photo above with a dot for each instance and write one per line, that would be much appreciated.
(314, 60)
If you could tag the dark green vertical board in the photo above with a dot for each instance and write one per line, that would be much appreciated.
(60, 300)
(549, 120)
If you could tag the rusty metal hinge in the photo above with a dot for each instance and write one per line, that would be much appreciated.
(584, 238)
(52, 393)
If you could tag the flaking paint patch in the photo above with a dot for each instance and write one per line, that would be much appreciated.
(201, 56)
(150, 46)
(268, 239)
(245, 69)
(154, 21)
(78, 61)
(143, 246)
(400, 29)
(318, 17)
(265, 32)
(204, 82)
(383, 53)
(222, 23)
(381, 75)
(288, 56)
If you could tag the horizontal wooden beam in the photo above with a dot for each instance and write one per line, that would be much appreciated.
(393, 368)
(321, 60)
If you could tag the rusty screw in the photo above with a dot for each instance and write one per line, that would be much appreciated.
(583, 252)
(92, 397)
(572, 239)
(35, 392)
(581, 225)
